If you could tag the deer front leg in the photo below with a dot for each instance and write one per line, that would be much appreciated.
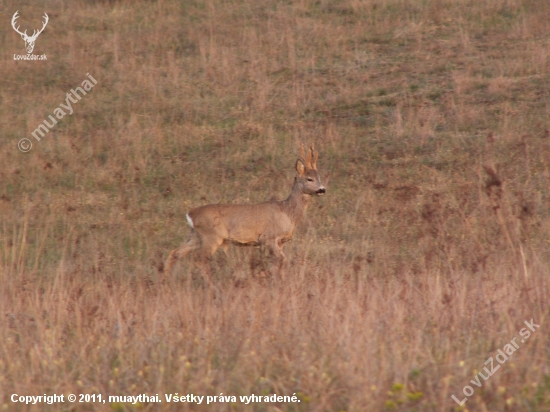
(205, 267)
(275, 248)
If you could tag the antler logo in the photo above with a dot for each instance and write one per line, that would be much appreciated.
(29, 40)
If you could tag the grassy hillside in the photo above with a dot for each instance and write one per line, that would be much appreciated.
(426, 256)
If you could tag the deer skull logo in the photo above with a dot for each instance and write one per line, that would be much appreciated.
(29, 40)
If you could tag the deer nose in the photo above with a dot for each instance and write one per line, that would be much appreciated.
(321, 191)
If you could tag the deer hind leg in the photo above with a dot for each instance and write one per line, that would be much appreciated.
(193, 243)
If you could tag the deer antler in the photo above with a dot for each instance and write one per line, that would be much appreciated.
(309, 158)
(37, 32)
(315, 156)
(302, 152)
(15, 16)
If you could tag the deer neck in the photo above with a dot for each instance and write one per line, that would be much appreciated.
(296, 204)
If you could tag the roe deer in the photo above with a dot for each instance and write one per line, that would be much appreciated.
(268, 224)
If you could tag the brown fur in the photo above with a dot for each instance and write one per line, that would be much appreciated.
(268, 224)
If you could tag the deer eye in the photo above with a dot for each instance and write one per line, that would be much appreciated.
(309, 179)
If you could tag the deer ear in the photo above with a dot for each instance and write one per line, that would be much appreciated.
(300, 167)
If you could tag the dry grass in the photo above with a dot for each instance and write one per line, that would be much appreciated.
(428, 253)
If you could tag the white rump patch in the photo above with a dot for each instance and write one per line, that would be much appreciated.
(189, 220)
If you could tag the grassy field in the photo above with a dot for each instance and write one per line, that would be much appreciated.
(426, 256)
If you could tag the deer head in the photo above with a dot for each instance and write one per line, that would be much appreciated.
(308, 177)
(29, 40)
